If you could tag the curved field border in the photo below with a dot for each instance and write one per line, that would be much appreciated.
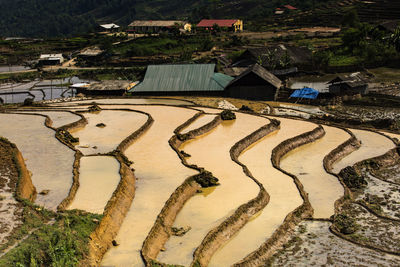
(384, 160)
(60, 137)
(24, 188)
(161, 230)
(218, 236)
(281, 235)
(120, 202)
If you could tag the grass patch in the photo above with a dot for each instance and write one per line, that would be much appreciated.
(53, 239)
(343, 60)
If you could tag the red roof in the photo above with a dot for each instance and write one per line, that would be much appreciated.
(278, 8)
(219, 22)
(290, 7)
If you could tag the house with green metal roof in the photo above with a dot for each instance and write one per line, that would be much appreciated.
(201, 79)
(185, 79)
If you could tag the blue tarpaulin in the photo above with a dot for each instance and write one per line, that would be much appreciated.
(306, 92)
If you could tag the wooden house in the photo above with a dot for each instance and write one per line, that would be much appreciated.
(255, 83)
(351, 85)
(158, 26)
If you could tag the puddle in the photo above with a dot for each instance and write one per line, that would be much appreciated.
(98, 179)
(118, 126)
(49, 161)
(306, 163)
(159, 172)
(203, 120)
(283, 192)
(59, 118)
(201, 213)
(372, 145)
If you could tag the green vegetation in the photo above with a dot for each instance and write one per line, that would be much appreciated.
(362, 44)
(67, 17)
(352, 178)
(345, 224)
(50, 239)
(206, 179)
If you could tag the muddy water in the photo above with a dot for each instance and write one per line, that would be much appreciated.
(133, 101)
(393, 135)
(306, 163)
(119, 125)
(59, 118)
(49, 161)
(205, 211)
(98, 179)
(283, 192)
(203, 120)
(159, 172)
(209, 110)
(372, 145)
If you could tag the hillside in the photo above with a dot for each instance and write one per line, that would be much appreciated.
(44, 18)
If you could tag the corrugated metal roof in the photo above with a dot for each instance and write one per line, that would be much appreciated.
(182, 78)
(156, 23)
(109, 26)
(262, 73)
(219, 22)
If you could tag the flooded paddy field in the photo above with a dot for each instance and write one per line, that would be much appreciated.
(211, 151)
(58, 118)
(307, 164)
(372, 145)
(52, 170)
(106, 130)
(156, 166)
(283, 192)
(98, 179)
(158, 172)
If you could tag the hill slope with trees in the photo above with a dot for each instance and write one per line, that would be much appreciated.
(48, 18)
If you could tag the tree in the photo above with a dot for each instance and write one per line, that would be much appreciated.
(395, 39)
(350, 19)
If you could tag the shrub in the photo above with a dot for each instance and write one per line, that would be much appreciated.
(227, 115)
(345, 224)
(352, 178)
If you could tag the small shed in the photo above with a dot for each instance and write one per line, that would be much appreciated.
(51, 59)
(348, 85)
(110, 27)
(255, 83)
(182, 79)
(111, 87)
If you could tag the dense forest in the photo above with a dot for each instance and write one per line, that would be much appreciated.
(46, 18)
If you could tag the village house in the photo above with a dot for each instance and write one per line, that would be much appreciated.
(182, 79)
(50, 59)
(158, 26)
(201, 79)
(111, 87)
(234, 25)
(255, 83)
(348, 85)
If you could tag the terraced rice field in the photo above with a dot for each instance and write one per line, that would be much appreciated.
(148, 165)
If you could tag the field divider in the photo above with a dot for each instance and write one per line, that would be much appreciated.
(221, 234)
(161, 230)
(282, 234)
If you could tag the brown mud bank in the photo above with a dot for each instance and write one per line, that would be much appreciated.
(221, 234)
(282, 234)
(101, 239)
(24, 186)
(161, 230)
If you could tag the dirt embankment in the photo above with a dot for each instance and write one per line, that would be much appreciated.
(118, 205)
(283, 233)
(161, 230)
(388, 159)
(343, 150)
(221, 234)
(24, 186)
(114, 213)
